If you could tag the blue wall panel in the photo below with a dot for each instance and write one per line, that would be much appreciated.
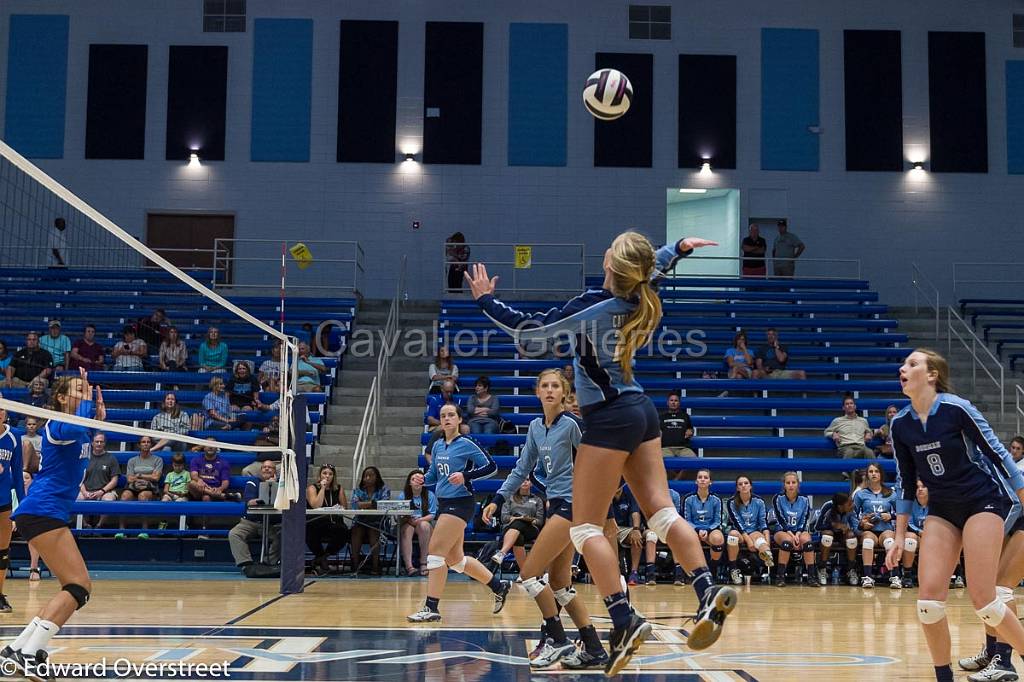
(789, 99)
(1015, 117)
(37, 70)
(282, 72)
(537, 101)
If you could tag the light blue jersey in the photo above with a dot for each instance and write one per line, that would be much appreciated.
(829, 519)
(590, 323)
(918, 515)
(703, 514)
(749, 517)
(549, 453)
(867, 504)
(11, 480)
(790, 516)
(461, 455)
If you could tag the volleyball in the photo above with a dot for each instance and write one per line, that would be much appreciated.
(608, 94)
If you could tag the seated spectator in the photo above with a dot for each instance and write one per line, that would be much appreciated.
(101, 475)
(432, 417)
(651, 550)
(367, 528)
(242, 388)
(850, 432)
(130, 352)
(310, 370)
(882, 433)
(57, 344)
(5, 358)
(28, 362)
(748, 518)
(572, 404)
(85, 352)
(144, 471)
(420, 524)
(176, 480)
(270, 435)
(626, 512)
(173, 352)
(483, 408)
(153, 328)
(326, 534)
(522, 516)
(771, 360)
(211, 475)
(32, 444)
(676, 431)
(837, 522)
(738, 358)
(325, 345)
(705, 513)
(270, 370)
(250, 528)
(213, 353)
(38, 394)
(442, 368)
(172, 419)
(569, 372)
(220, 413)
(1017, 448)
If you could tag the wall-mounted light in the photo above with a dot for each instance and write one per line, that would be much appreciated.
(705, 167)
(409, 156)
(917, 166)
(687, 190)
(193, 159)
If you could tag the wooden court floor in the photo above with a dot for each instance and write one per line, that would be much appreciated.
(355, 629)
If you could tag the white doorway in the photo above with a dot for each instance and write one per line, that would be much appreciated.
(712, 214)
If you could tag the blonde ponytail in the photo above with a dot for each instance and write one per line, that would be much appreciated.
(631, 264)
(638, 328)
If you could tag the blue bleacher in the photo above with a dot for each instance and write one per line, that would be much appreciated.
(751, 283)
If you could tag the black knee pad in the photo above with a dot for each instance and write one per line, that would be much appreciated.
(5, 558)
(80, 594)
(717, 548)
(807, 547)
(786, 546)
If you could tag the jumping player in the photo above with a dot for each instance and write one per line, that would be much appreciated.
(789, 519)
(11, 484)
(704, 512)
(622, 434)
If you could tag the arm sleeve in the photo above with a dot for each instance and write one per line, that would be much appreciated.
(130, 471)
(831, 428)
(979, 431)
(432, 502)
(524, 467)
(430, 477)
(665, 259)
(716, 511)
(763, 516)
(63, 431)
(495, 408)
(17, 467)
(431, 372)
(906, 471)
(483, 465)
(734, 518)
(506, 515)
(539, 325)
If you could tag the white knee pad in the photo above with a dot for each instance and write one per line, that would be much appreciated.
(868, 544)
(930, 611)
(434, 561)
(826, 540)
(732, 541)
(460, 566)
(534, 586)
(565, 595)
(910, 545)
(887, 543)
(1004, 594)
(662, 521)
(583, 532)
(992, 614)
(851, 543)
(651, 536)
(760, 543)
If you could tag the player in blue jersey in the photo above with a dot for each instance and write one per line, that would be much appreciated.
(943, 439)
(875, 507)
(455, 462)
(12, 486)
(748, 521)
(651, 550)
(836, 521)
(43, 517)
(551, 444)
(622, 432)
(706, 514)
(790, 519)
(915, 527)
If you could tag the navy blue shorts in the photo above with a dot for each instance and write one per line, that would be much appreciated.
(622, 424)
(958, 513)
(559, 507)
(462, 507)
(31, 526)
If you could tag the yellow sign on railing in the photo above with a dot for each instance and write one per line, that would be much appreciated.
(524, 257)
(302, 255)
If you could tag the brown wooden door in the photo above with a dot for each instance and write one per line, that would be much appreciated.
(194, 234)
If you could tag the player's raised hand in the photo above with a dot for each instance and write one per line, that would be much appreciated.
(101, 408)
(479, 282)
(691, 243)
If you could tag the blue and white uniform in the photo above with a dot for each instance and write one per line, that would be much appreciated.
(790, 516)
(11, 480)
(829, 520)
(918, 515)
(703, 514)
(867, 504)
(958, 458)
(547, 460)
(461, 455)
(747, 518)
(623, 508)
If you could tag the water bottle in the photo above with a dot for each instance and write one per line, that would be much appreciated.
(835, 575)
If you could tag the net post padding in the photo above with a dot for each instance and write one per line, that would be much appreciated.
(293, 519)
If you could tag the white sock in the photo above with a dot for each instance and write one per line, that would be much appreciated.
(41, 637)
(22, 639)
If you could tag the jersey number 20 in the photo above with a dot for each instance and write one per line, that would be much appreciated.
(442, 469)
(935, 463)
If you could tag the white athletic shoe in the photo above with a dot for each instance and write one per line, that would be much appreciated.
(995, 670)
(736, 576)
(976, 662)
(766, 557)
(867, 582)
(498, 557)
(958, 581)
(424, 615)
(895, 583)
(851, 577)
(822, 577)
(550, 654)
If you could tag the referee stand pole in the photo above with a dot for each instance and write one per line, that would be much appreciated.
(293, 520)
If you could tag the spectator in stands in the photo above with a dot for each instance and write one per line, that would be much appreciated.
(850, 432)
(220, 413)
(5, 358)
(572, 404)
(57, 344)
(326, 534)
(144, 471)
(754, 247)
(176, 480)
(251, 527)
(371, 488)
(211, 475)
(213, 353)
(270, 370)
(310, 370)
(270, 435)
(420, 523)
(85, 352)
(173, 352)
(786, 246)
(1017, 448)
(432, 417)
(748, 518)
(569, 372)
(130, 352)
(738, 358)
(883, 449)
(483, 408)
(29, 362)
(676, 431)
(38, 395)
(153, 329)
(706, 514)
(836, 521)
(522, 517)
(630, 534)
(771, 360)
(172, 419)
(242, 388)
(101, 475)
(442, 368)
(875, 507)
(456, 254)
(31, 444)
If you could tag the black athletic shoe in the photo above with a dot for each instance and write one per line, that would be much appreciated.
(500, 596)
(31, 667)
(624, 642)
(5, 606)
(717, 604)
(584, 660)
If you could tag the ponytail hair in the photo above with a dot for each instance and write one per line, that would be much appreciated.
(631, 265)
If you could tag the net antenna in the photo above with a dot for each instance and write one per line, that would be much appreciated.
(289, 344)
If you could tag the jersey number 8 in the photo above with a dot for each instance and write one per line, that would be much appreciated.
(935, 463)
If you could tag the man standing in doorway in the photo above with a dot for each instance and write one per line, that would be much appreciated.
(754, 248)
(787, 246)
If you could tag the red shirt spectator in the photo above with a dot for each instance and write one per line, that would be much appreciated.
(85, 352)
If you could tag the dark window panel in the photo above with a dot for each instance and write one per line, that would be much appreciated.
(872, 66)
(707, 111)
(957, 106)
(115, 124)
(197, 80)
(368, 92)
(627, 141)
(453, 84)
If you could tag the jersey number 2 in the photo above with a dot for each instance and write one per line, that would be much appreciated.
(935, 463)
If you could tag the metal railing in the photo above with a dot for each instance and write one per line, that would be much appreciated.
(812, 268)
(553, 274)
(979, 351)
(920, 281)
(344, 273)
(1018, 392)
(367, 427)
(963, 278)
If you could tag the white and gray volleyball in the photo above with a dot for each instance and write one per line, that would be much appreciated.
(608, 94)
